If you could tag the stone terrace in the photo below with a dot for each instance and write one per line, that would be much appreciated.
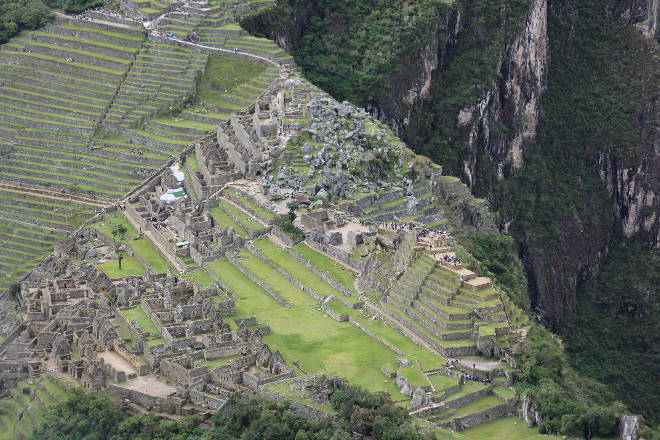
(31, 220)
(448, 307)
(161, 75)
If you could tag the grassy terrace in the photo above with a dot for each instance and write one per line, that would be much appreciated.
(258, 209)
(137, 314)
(510, 428)
(249, 222)
(223, 74)
(20, 400)
(129, 50)
(92, 68)
(337, 271)
(478, 405)
(151, 256)
(201, 276)
(103, 32)
(129, 266)
(283, 259)
(224, 220)
(214, 363)
(302, 333)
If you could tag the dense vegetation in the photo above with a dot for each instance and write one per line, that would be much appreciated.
(568, 403)
(16, 15)
(617, 303)
(563, 212)
(74, 6)
(92, 416)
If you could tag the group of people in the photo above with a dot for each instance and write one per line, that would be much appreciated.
(395, 226)
(451, 259)
(466, 377)
(454, 364)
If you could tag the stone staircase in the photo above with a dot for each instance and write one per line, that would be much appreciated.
(446, 305)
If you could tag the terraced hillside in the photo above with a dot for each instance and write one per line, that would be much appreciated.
(22, 409)
(215, 26)
(89, 109)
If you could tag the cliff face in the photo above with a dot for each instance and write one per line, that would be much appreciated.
(513, 100)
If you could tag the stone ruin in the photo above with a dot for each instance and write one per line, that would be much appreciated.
(183, 226)
(45, 299)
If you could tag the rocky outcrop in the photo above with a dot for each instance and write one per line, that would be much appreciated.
(634, 187)
(513, 100)
(641, 14)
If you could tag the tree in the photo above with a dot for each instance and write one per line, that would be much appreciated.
(119, 233)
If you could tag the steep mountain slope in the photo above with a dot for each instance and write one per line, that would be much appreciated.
(549, 109)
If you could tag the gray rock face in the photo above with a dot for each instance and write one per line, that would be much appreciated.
(404, 386)
(419, 399)
(403, 362)
(336, 238)
(315, 108)
(629, 427)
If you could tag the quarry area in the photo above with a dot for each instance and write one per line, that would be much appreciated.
(170, 238)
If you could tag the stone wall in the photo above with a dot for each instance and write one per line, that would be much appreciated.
(285, 237)
(253, 382)
(206, 400)
(183, 375)
(336, 253)
(267, 57)
(334, 315)
(297, 407)
(218, 281)
(146, 401)
(376, 337)
(135, 361)
(470, 420)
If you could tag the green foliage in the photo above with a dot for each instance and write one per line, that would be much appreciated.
(81, 416)
(16, 15)
(247, 417)
(348, 47)
(285, 222)
(74, 6)
(222, 74)
(613, 336)
(568, 403)
(497, 253)
(470, 71)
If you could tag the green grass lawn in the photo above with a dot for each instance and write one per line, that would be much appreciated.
(302, 333)
(114, 218)
(129, 266)
(224, 220)
(201, 276)
(153, 258)
(505, 393)
(214, 363)
(337, 271)
(441, 382)
(224, 73)
(136, 313)
(250, 223)
(509, 428)
(264, 213)
(283, 259)
(478, 405)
